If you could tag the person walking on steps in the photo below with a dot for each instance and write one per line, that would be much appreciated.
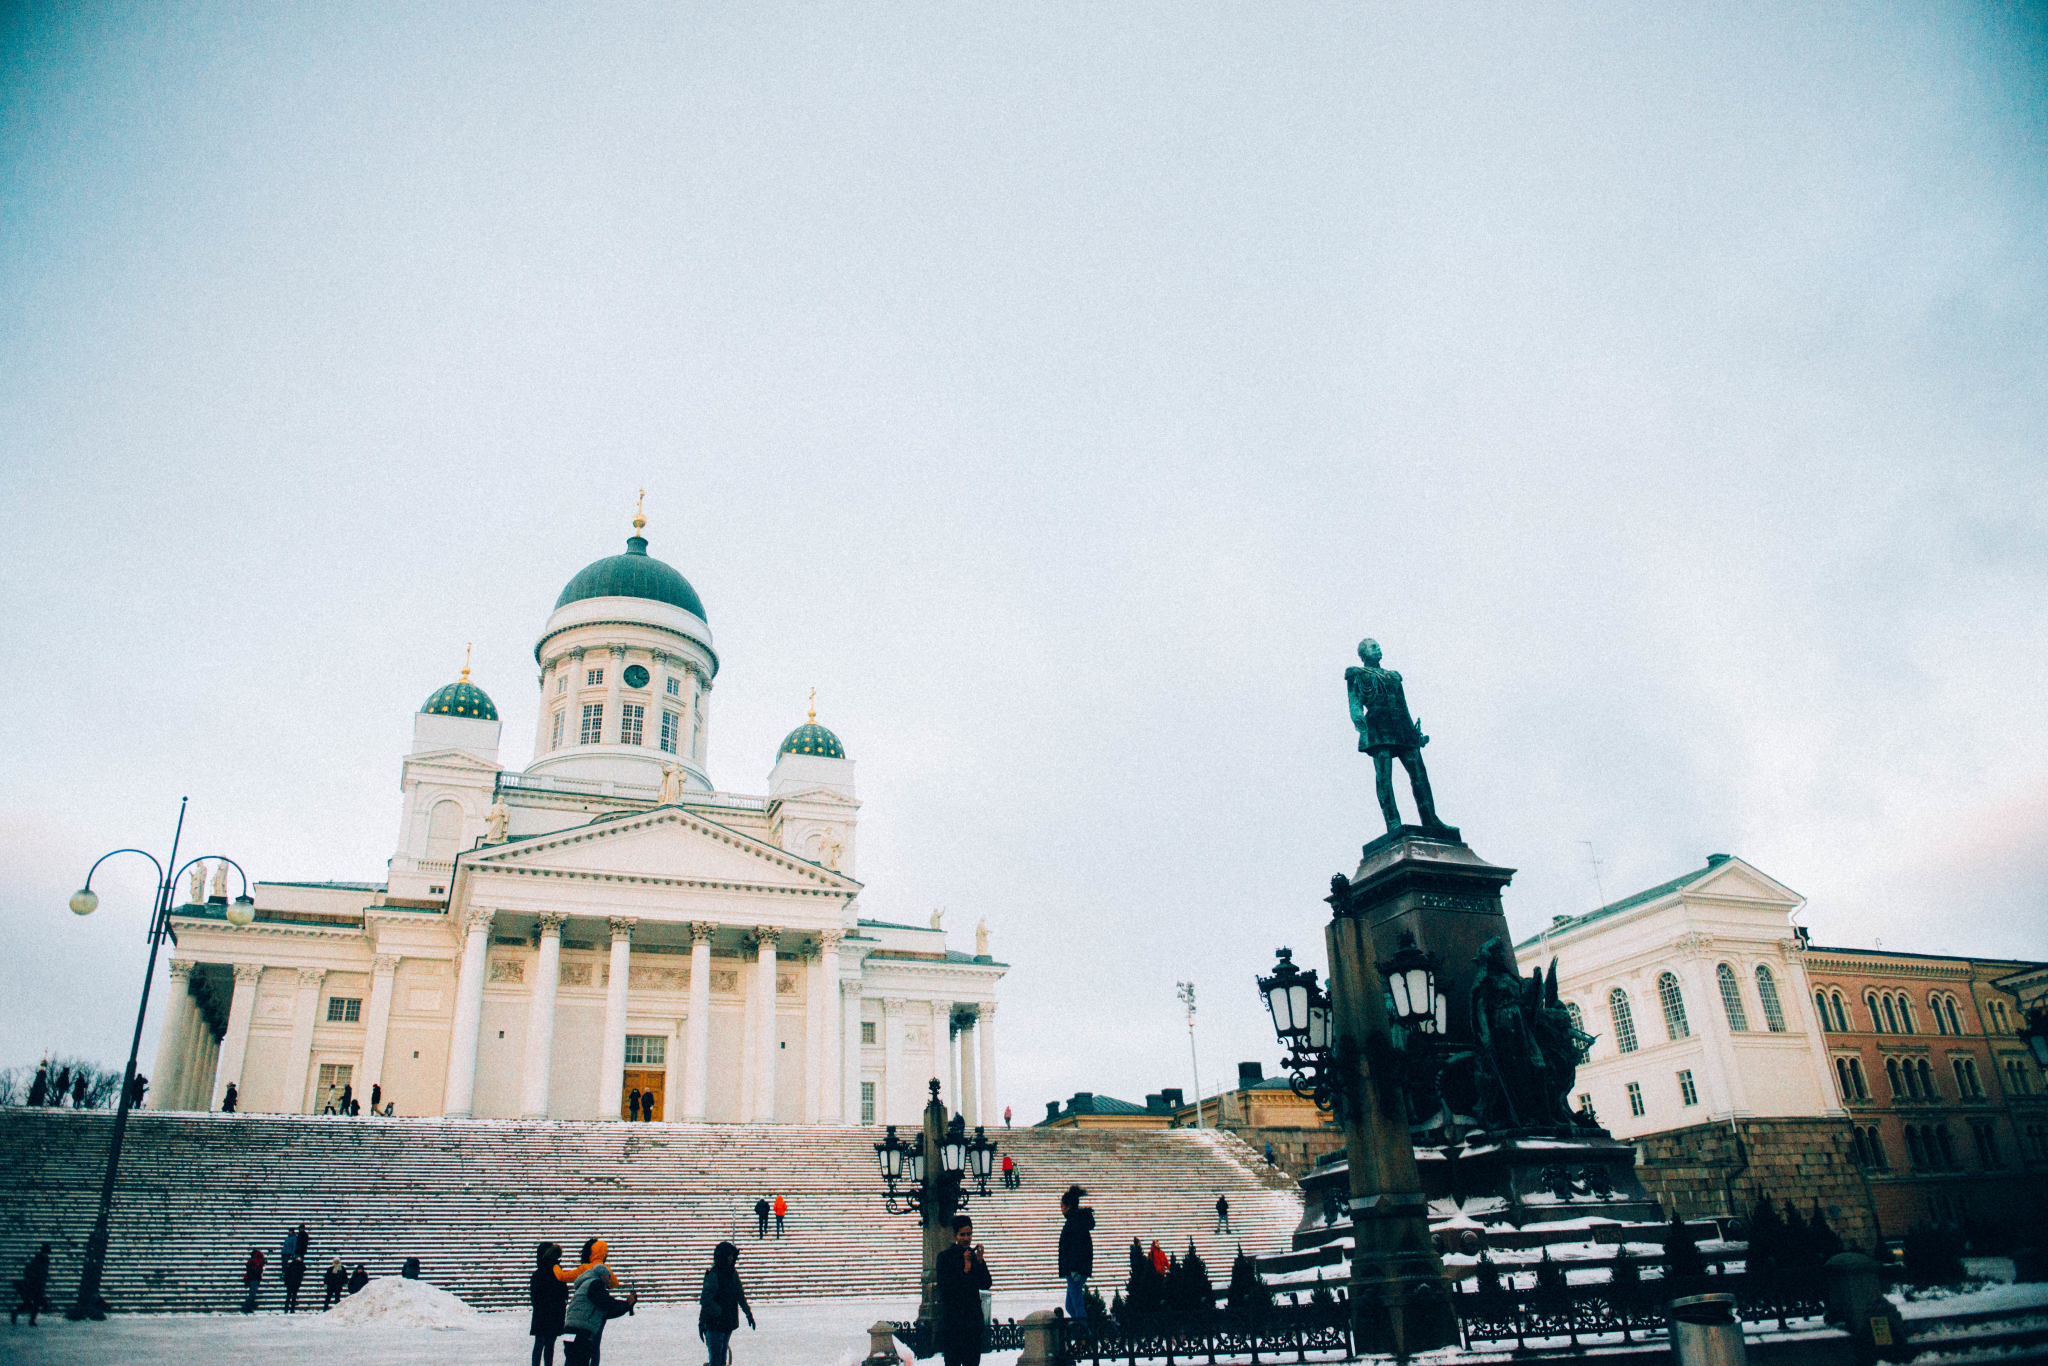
(78, 1090)
(332, 1284)
(39, 1089)
(720, 1304)
(227, 1100)
(31, 1292)
(1077, 1250)
(293, 1273)
(252, 1276)
(1006, 1116)
(1009, 1172)
(591, 1306)
(550, 1298)
(1222, 1215)
(761, 1213)
(781, 1213)
(962, 1274)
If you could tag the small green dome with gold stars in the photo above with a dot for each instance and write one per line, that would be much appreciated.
(461, 698)
(812, 738)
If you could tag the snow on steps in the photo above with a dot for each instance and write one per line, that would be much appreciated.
(471, 1198)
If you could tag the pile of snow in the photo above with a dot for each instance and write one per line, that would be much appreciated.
(402, 1303)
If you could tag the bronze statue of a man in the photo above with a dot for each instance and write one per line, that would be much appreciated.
(1379, 709)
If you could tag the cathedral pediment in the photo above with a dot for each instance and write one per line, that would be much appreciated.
(667, 845)
(1738, 881)
(452, 758)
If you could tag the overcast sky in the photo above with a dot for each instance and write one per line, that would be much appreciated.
(1062, 392)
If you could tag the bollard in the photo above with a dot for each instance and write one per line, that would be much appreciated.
(1706, 1332)
(1856, 1301)
(882, 1346)
(1037, 1339)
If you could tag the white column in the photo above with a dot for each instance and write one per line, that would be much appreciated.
(190, 1054)
(942, 1046)
(376, 1025)
(672, 1076)
(697, 1080)
(814, 1041)
(955, 1041)
(540, 1022)
(887, 1108)
(985, 1031)
(766, 938)
(970, 1089)
(615, 664)
(199, 1081)
(300, 1059)
(235, 1047)
(611, 1066)
(831, 1076)
(174, 1047)
(850, 1050)
(458, 1099)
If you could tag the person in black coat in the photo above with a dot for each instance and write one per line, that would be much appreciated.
(62, 1087)
(1077, 1251)
(962, 1274)
(549, 1297)
(357, 1279)
(294, 1274)
(227, 1100)
(78, 1090)
(721, 1302)
(332, 1284)
(761, 1217)
(30, 1292)
(39, 1089)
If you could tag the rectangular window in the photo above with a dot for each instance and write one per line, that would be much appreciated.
(867, 1102)
(556, 743)
(671, 728)
(630, 718)
(1585, 1103)
(1635, 1100)
(867, 1031)
(561, 684)
(344, 1009)
(593, 722)
(646, 1050)
(593, 678)
(675, 687)
(1686, 1090)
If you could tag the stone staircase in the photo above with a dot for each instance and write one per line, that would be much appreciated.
(471, 1198)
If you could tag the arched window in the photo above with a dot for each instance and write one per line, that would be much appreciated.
(1820, 1004)
(1861, 1145)
(1948, 1147)
(1624, 1021)
(1955, 1024)
(1842, 1076)
(1578, 1019)
(1905, 1015)
(1731, 999)
(1891, 1019)
(1856, 1075)
(1767, 992)
(444, 830)
(1876, 1018)
(1927, 1086)
(1841, 1014)
(1934, 1005)
(1915, 1154)
(1877, 1148)
(1674, 1007)
(1891, 1074)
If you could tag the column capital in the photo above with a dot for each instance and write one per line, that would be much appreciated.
(551, 923)
(311, 977)
(829, 940)
(701, 931)
(986, 1010)
(477, 920)
(766, 935)
(181, 969)
(622, 927)
(892, 1005)
(384, 964)
(850, 987)
(248, 972)
(618, 651)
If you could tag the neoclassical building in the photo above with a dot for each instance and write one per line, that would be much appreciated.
(606, 922)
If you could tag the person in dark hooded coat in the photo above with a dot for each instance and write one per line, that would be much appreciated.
(721, 1302)
(549, 1297)
(962, 1275)
(31, 1291)
(1077, 1251)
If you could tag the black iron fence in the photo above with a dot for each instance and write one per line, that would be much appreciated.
(1281, 1333)
(1493, 1306)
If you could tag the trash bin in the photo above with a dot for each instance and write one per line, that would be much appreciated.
(1705, 1331)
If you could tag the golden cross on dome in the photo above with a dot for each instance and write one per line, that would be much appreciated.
(465, 660)
(814, 706)
(639, 517)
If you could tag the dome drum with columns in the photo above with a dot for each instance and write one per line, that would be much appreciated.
(603, 930)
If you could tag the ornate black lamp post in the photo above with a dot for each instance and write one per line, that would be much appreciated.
(2035, 1035)
(928, 1177)
(1301, 1019)
(85, 901)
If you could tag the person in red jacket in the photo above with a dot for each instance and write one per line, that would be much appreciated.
(252, 1276)
(781, 1210)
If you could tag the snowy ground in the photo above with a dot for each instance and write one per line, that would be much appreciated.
(792, 1333)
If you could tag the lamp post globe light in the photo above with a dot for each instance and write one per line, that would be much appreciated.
(84, 901)
(928, 1177)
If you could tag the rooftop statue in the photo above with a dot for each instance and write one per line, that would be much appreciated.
(198, 896)
(1379, 709)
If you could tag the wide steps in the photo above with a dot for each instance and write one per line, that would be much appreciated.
(471, 1198)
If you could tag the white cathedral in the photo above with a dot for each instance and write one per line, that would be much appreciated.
(603, 935)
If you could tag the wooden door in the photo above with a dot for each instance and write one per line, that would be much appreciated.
(646, 1083)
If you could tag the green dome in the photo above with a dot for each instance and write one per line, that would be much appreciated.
(812, 738)
(634, 574)
(462, 698)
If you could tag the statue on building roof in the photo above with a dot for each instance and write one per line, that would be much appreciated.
(938, 916)
(981, 938)
(1379, 711)
(220, 881)
(198, 894)
(671, 784)
(495, 821)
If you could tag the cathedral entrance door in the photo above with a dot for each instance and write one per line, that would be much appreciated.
(649, 1085)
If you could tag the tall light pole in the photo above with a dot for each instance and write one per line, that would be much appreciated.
(1187, 998)
(85, 901)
